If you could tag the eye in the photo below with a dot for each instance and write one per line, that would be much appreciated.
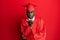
(31, 12)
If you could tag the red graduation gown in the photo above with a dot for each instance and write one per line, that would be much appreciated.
(38, 31)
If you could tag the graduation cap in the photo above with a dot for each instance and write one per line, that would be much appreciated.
(30, 6)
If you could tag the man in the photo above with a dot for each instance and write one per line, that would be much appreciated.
(32, 27)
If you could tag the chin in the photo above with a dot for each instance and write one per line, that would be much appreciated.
(31, 17)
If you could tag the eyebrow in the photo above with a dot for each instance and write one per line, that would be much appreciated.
(30, 11)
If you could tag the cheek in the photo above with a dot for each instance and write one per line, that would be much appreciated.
(32, 14)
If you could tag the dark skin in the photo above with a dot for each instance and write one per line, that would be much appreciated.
(30, 14)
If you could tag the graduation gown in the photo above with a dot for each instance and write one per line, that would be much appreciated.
(37, 32)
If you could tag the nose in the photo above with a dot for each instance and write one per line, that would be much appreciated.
(30, 14)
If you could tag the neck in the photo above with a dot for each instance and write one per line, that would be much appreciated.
(32, 17)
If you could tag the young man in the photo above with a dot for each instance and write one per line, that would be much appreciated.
(32, 27)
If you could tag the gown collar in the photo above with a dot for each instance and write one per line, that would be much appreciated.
(28, 19)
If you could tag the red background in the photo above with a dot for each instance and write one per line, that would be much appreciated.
(12, 10)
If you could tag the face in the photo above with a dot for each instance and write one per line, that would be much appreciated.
(30, 13)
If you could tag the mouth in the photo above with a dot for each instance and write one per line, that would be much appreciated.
(29, 16)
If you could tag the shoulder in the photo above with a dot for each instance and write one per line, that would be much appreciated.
(22, 20)
(40, 19)
(40, 22)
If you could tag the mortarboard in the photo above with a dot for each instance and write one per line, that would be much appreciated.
(30, 6)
